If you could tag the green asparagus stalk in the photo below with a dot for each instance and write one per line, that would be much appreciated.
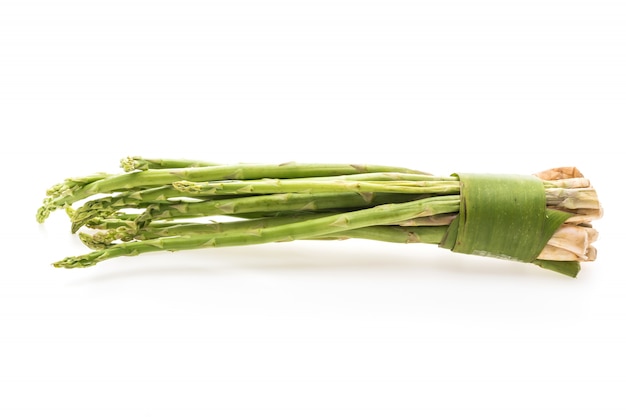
(272, 186)
(137, 163)
(267, 204)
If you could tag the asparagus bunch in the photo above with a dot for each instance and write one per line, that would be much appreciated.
(171, 205)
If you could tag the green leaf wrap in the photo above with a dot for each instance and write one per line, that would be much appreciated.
(504, 216)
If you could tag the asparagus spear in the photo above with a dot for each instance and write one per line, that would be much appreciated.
(133, 163)
(272, 203)
(272, 186)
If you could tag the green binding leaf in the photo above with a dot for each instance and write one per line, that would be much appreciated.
(504, 216)
(569, 268)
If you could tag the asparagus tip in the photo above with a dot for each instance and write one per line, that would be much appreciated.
(75, 262)
(43, 212)
(56, 190)
(129, 163)
(96, 241)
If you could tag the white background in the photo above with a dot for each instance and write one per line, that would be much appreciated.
(322, 328)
